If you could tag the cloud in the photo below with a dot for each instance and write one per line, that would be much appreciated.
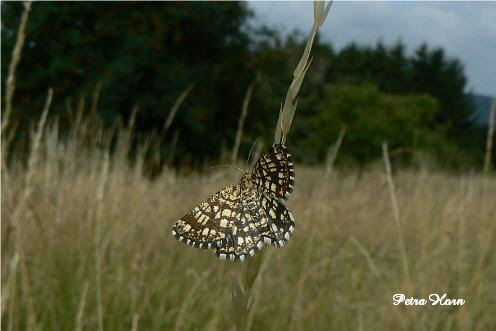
(466, 30)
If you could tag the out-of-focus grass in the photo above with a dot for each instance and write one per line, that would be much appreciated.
(338, 272)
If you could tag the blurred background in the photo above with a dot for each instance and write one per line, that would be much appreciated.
(419, 75)
(147, 97)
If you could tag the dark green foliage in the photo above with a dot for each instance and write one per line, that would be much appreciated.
(427, 71)
(407, 123)
(146, 53)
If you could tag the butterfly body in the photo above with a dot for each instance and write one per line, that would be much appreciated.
(238, 220)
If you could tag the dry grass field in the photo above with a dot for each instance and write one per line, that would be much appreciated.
(86, 245)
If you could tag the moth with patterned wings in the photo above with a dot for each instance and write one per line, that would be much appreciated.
(238, 220)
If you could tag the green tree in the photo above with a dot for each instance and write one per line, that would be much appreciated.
(144, 53)
(444, 79)
(371, 117)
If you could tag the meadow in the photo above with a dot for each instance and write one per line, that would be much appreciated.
(86, 238)
(86, 245)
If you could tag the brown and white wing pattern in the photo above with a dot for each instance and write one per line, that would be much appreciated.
(239, 219)
(227, 221)
(244, 238)
(280, 221)
(274, 173)
(209, 224)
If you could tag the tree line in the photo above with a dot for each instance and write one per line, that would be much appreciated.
(147, 53)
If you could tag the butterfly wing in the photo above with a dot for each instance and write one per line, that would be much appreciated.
(225, 221)
(237, 222)
(274, 173)
(243, 242)
(245, 238)
(209, 224)
(280, 221)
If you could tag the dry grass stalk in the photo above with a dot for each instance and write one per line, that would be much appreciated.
(332, 154)
(396, 213)
(6, 139)
(98, 258)
(241, 122)
(366, 255)
(126, 137)
(188, 299)
(242, 293)
(174, 109)
(243, 297)
(16, 57)
(336, 294)
(489, 141)
(174, 140)
(21, 207)
(79, 114)
(135, 322)
(8, 291)
(157, 156)
(80, 311)
(290, 103)
(96, 97)
(296, 313)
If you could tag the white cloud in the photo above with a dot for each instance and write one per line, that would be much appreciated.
(466, 30)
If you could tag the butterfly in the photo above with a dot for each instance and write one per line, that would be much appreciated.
(238, 220)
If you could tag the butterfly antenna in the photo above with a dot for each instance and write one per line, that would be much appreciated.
(228, 165)
(251, 150)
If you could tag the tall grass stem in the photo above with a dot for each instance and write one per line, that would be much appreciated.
(98, 254)
(241, 122)
(332, 153)
(490, 138)
(80, 311)
(173, 111)
(396, 214)
(288, 109)
(16, 58)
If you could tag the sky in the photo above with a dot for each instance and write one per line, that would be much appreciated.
(466, 30)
